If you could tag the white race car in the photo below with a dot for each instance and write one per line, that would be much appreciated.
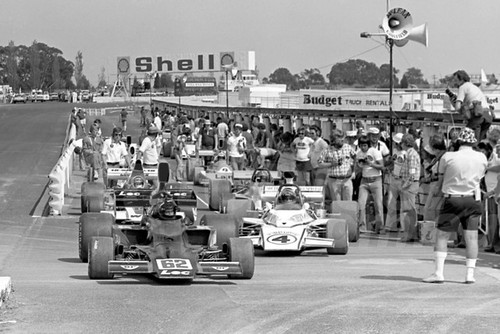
(290, 225)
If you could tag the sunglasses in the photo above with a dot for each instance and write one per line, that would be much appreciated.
(117, 134)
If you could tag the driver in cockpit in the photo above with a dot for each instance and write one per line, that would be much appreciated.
(288, 199)
(165, 209)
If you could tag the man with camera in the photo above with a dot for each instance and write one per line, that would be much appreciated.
(338, 158)
(472, 104)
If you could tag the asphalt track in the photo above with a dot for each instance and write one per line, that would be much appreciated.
(375, 288)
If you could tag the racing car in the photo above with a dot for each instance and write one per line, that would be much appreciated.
(229, 184)
(166, 246)
(127, 203)
(291, 225)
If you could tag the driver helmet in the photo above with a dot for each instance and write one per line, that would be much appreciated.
(138, 182)
(261, 176)
(168, 208)
(287, 196)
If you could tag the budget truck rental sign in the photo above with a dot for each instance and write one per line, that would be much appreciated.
(345, 100)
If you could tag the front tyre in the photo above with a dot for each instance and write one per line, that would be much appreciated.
(101, 251)
(241, 250)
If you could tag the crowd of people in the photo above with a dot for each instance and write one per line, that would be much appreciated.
(397, 180)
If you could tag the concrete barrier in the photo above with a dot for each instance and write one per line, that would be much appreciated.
(5, 289)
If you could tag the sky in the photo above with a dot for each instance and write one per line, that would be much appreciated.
(294, 34)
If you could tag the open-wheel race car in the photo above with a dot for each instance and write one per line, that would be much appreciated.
(291, 225)
(163, 243)
(127, 204)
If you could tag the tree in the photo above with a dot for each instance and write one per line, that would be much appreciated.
(156, 81)
(55, 74)
(311, 77)
(102, 79)
(283, 76)
(415, 77)
(12, 70)
(35, 65)
(354, 72)
(166, 80)
(404, 82)
(384, 74)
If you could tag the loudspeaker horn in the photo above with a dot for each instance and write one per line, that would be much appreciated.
(397, 23)
(419, 34)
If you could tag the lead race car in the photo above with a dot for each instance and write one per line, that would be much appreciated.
(126, 204)
(291, 225)
(164, 245)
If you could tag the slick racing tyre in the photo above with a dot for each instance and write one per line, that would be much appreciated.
(226, 227)
(92, 198)
(217, 189)
(93, 225)
(100, 252)
(241, 250)
(337, 230)
(348, 210)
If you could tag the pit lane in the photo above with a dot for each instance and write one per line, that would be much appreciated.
(374, 288)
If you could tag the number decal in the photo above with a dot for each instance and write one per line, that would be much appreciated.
(174, 264)
(282, 239)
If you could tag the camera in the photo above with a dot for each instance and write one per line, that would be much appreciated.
(362, 160)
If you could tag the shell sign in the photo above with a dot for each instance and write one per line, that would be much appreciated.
(182, 63)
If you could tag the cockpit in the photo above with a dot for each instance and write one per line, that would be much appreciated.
(288, 198)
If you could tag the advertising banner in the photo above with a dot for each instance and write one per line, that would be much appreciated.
(184, 63)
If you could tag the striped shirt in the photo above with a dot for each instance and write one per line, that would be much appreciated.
(342, 160)
(410, 170)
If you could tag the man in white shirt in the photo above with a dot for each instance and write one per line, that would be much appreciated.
(236, 147)
(460, 173)
(318, 174)
(113, 151)
(148, 150)
(302, 146)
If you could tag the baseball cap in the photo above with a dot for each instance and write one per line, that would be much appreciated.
(374, 131)
(238, 125)
(207, 122)
(351, 133)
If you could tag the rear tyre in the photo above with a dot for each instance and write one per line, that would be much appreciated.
(337, 230)
(217, 189)
(93, 225)
(348, 210)
(101, 251)
(92, 198)
(241, 250)
(226, 226)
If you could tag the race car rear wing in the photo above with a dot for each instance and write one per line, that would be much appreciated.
(124, 173)
(247, 175)
(310, 193)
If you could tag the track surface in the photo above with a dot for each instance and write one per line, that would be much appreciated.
(376, 288)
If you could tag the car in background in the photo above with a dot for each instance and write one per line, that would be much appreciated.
(54, 96)
(19, 98)
(85, 95)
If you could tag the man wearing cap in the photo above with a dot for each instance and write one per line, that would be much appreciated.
(236, 146)
(113, 151)
(339, 159)
(460, 174)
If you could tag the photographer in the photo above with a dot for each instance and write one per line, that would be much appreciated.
(472, 104)
(369, 163)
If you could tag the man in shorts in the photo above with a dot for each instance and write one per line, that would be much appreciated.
(459, 176)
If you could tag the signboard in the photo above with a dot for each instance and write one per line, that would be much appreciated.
(345, 100)
(184, 63)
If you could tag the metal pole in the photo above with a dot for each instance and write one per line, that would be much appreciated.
(391, 125)
(227, 98)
